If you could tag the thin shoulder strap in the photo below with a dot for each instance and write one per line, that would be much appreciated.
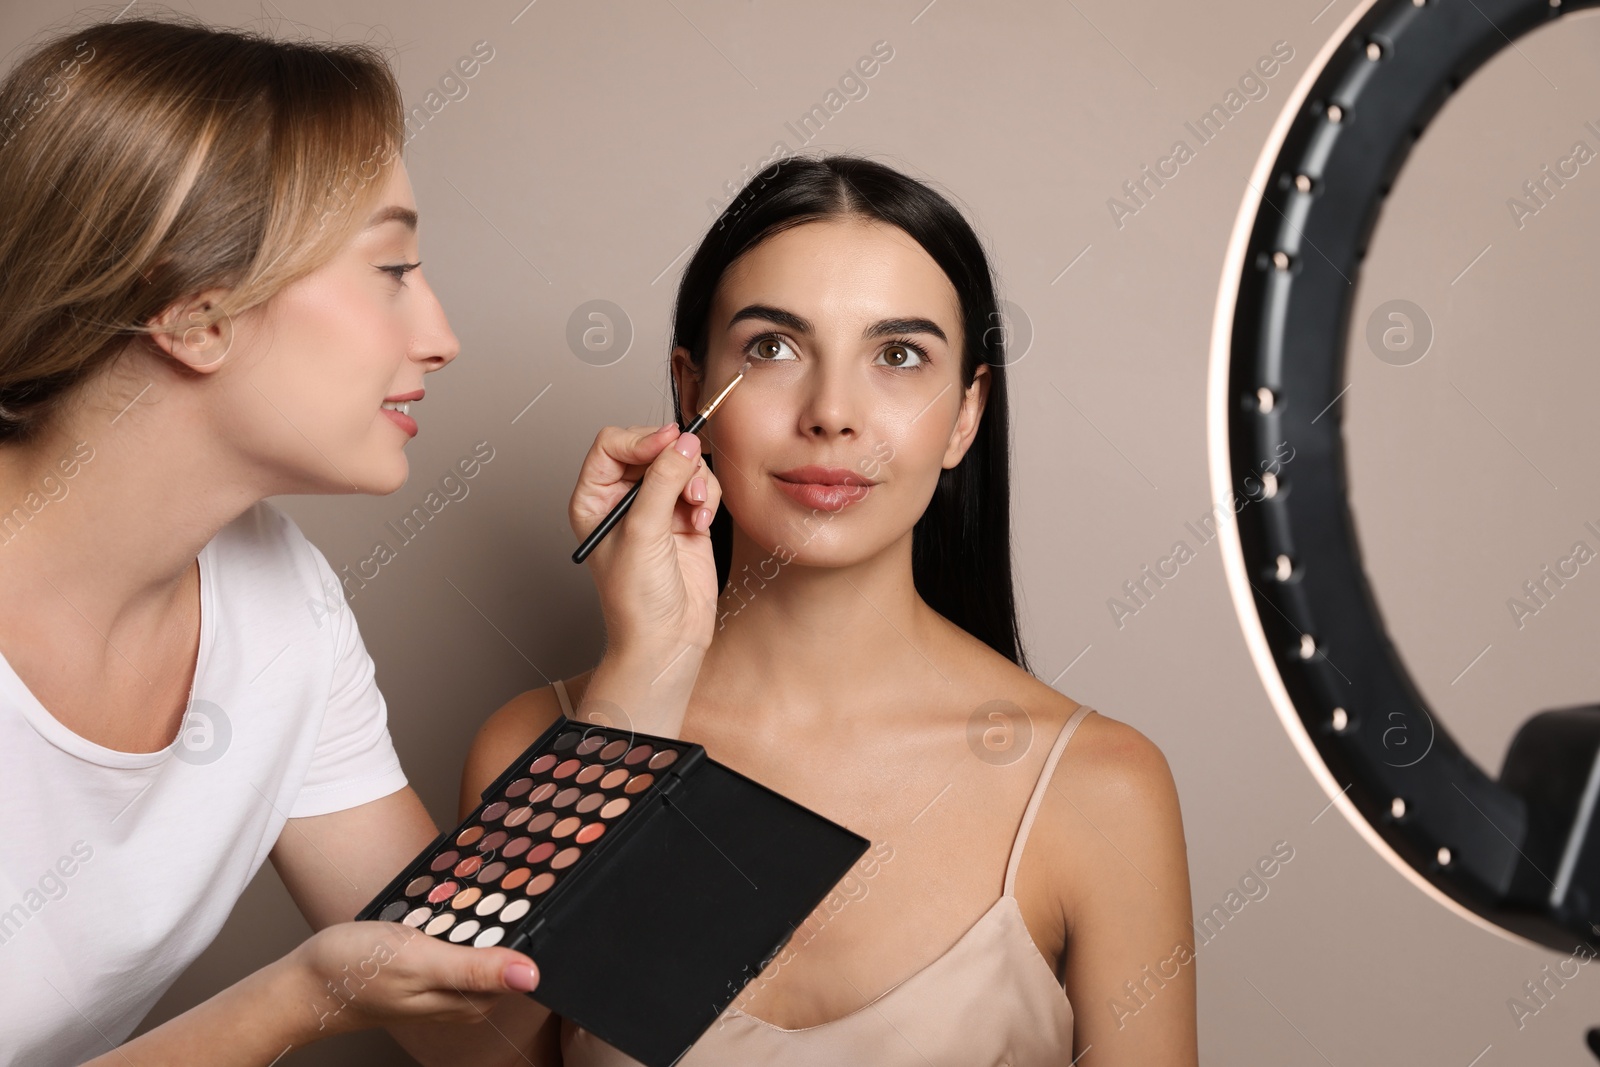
(561, 694)
(1038, 795)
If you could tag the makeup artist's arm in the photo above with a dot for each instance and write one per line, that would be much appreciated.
(333, 865)
(655, 574)
(434, 996)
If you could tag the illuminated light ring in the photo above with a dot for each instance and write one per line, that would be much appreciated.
(1282, 320)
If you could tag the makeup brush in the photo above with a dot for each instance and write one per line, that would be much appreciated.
(626, 502)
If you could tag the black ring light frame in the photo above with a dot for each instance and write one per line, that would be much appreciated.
(1518, 855)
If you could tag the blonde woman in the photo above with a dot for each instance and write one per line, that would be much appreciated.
(210, 293)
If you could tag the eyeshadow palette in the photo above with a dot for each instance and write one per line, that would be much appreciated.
(649, 882)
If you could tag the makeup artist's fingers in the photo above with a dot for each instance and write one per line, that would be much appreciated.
(409, 976)
(702, 496)
(666, 481)
(612, 464)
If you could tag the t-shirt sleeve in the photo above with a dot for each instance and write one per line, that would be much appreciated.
(354, 761)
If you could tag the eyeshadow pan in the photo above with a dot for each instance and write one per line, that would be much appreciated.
(567, 769)
(516, 909)
(589, 744)
(614, 779)
(469, 835)
(590, 802)
(566, 827)
(543, 821)
(565, 798)
(516, 847)
(566, 741)
(520, 816)
(492, 872)
(541, 883)
(491, 903)
(590, 833)
(418, 916)
(447, 858)
(493, 841)
(466, 898)
(615, 807)
(393, 911)
(518, 787)
(443, 892)
(495, 811)
(490, 937)
(565, 858)
(613, 750)
(440, 924)
(589, 774)
(637, 754)
(541, 852)
(467, 866)
(419, 885)
(516, 878)
(542, 764)
(665, 758)
(464, 931)
(639, 783)
(543, 793)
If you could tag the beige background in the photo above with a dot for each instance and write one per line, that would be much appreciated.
(589, 154)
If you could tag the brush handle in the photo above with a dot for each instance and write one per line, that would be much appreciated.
(614, 516)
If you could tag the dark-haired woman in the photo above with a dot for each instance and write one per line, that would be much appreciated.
(210, 295)
(866, 663)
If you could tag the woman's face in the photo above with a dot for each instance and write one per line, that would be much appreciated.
(829, 450)
(312, 377)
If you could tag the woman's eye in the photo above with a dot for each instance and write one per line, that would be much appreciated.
(770, 349)
(399, 271)
(900, 355)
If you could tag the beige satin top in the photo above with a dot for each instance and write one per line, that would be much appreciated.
(990, 1001)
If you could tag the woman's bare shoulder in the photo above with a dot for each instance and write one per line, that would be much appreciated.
(503, 736)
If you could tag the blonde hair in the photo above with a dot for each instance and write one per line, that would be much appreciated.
(144, 162)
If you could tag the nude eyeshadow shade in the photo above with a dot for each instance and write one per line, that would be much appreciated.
(649, 882)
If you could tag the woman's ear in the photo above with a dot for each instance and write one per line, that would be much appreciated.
(967, 419)
(687, 380)
(194, 332)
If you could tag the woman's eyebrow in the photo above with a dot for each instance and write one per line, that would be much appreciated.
(889, 326)
(789, 320)
(394, 213)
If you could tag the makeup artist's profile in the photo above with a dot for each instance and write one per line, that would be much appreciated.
(867, 663)
(211, 293)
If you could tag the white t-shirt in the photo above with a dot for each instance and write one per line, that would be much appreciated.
(118, 868)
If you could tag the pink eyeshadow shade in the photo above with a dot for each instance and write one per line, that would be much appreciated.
(442, 892)
(637, 754)
(542, 764)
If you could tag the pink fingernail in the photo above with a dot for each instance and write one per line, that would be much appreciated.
(697, 490)
(702, 518)
(687, 445)
(521, 977)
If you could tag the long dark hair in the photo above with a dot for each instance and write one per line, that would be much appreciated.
(961, 546)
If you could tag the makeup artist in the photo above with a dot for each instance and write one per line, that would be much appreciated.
(210, 294)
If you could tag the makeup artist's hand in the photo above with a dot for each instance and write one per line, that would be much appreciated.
(655, 573)
(365, 974)
(656, 577)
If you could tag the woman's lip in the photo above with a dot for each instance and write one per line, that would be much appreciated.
(823, 496)
(405, 422)
(823, 476)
